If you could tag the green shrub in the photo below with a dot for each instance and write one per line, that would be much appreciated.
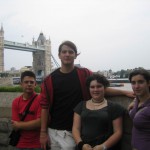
(17, 89)
(38, 89)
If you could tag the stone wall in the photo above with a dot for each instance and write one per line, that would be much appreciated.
(6, 81)
(6, 99)
(5, 118)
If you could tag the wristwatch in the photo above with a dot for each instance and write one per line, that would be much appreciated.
(104, 147)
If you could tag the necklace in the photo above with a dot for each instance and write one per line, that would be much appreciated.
(97, 103)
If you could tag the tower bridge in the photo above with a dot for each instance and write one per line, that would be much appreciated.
(41, 52)
(22, 46)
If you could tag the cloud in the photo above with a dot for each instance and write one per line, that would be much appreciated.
(111, 34)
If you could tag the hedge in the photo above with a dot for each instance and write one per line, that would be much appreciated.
(17, 89)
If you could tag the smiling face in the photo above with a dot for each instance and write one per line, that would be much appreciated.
(28, 84)
(67, 55)
(96, 90)
(140, 86)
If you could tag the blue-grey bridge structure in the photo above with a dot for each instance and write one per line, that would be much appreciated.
(41, 51)
(22, 46)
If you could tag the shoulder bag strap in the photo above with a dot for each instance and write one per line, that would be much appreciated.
(27, 109)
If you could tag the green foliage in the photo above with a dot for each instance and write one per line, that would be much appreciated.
(17, 89)
(38, 89)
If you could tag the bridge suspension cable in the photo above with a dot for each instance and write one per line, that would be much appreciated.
(56, 63)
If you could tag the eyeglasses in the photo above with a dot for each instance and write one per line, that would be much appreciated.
(27, 82)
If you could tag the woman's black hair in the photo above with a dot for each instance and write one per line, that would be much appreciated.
(99, 78)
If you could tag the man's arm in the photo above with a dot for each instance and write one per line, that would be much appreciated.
(44, 119)
(28, 125)
(44, 138)
(117, 92)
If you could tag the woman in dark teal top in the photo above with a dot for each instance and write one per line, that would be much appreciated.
(97, 122)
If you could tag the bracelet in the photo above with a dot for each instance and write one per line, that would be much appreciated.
(80, 145)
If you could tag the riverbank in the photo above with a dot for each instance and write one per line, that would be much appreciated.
(126, 86)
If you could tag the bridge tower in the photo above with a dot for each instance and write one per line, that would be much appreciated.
(42, 64)
(1, 49)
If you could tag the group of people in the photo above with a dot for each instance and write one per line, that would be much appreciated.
(71, 112)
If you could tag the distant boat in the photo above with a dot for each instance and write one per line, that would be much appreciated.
(116, 84)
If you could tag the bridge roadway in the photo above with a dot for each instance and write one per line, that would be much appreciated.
(22, 47)
(26, 47)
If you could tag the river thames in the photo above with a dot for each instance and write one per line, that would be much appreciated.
(127, 86)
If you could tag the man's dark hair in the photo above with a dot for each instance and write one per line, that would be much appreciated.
(142, 72)
(99, 78)
(27, 73)
(69, 44)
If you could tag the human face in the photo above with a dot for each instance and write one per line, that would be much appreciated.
(67, 55)
(28, 84)
(140, 86)
(96, 90)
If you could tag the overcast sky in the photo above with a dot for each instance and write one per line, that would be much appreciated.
(109, 34)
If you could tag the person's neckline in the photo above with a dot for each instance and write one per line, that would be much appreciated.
(27, 97)
(66, 71)
(143, 99)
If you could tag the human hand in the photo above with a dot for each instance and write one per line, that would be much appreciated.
(131, 105)
(87, 147)
(130, 94)
(44, 140)
(98, 147)
(15, 125)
